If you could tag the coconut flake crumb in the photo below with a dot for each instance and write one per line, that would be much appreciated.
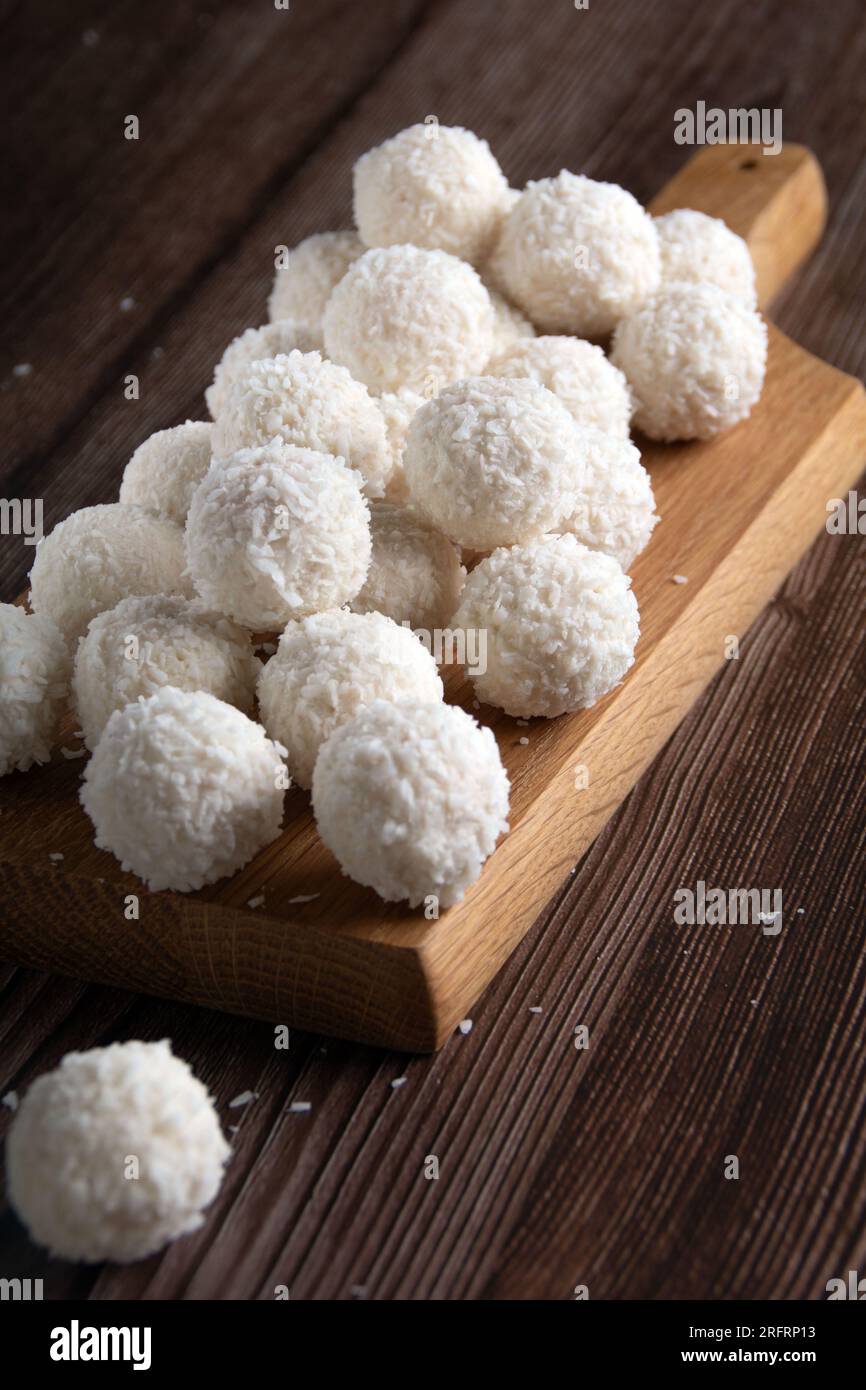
(243, 1099)
(398, 1082)
(257, 901)
(535, 1008)
(305, 898)
(300, 1107)
(127, 303)
(70, 754)
(680, 578)
(56, 857)
(465, 1026)
(524, 742)
(10, 1100)
(22, 369)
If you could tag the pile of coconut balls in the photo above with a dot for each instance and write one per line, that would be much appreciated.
(433, 392)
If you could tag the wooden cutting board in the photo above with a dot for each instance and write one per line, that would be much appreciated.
(324, 954)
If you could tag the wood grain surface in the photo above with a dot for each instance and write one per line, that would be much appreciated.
(558, 1166)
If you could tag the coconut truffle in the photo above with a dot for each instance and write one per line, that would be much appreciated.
(316, 265)
(415, 575)
(616, 511)
(561, 624)
(406, 317)
(98, 556)
(397, 409)
(329, 666)
(697, 248)
(509, 325)
(300, 399)
(433, 186)
(578, 373)
(411, 800)
(276, 533)
(77, 1134)
(165, 470)
(271, 340)
(34, 681)
(492, 461)
(694, 357)
(577, 255)
(183, 789)
(146, 643)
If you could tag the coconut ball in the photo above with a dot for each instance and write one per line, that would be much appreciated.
(509, 325)
(98, 556)
(492, 462)
(561, 624)
(184, 789)
(165, 470)
(276, 533)
(697, 248)
(34, 680)
(330, 665)
(301, 399)
(397, 409)
(315, 266)
(415, 574)
(433, 186)
(616, 511)
(579, 373)
(146, 643)
(577, 255)
(411, 799)
(406, 317)
(77, 1133)
(695, 358)
(271, 340)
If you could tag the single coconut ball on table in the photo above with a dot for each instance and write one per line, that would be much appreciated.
(70, 1143)
(493, 461)
(694, 357)
(34, 682)
(578, 373)
(577, 255)
(184, 789)
(302, 288)
(616, 510)
(397, 409)
(98, 556)
(270, 340)
(696, 248)
(165, 470)
(276, 533)
(404, 317)
(561, 626)
(438, 187)
(411, 799)
(329, 666)
(300, 399)
(415, 574)
(143, 644)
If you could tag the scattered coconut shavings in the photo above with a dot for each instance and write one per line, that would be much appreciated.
(56, 857)
(70, 754)
(535, 1008)
(300, 1107)
(465, 1026)
(524, 742)
(398, 1082)
(243, 1099)
(233, 1129)
(309, 898)
(801, 909)
(10, 1100)
(256, 902)
(680, 578)
(269, 648)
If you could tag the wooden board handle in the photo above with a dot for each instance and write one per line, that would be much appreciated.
(778, 203)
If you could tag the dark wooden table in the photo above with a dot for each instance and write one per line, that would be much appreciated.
(558, 1167)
